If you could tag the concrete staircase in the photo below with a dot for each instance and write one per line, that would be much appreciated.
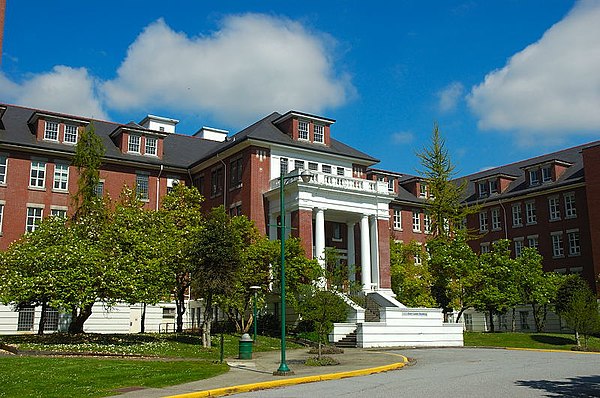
(347, 342)
(372, 310)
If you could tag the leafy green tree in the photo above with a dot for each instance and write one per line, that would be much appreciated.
(411, 282)
(454, 269)
(216, 257)
(180, 222)
(577, 304)
(536, 287)
(133, 239)
(495, 288)
(322, 308)
(257, 253)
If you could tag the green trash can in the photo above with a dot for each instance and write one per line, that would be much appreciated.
(246, 346)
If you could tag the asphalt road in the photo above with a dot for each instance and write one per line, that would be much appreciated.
(466, 372)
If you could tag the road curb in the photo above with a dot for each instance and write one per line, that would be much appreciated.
(291, 381)
(550, 350)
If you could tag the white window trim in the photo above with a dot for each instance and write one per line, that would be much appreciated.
(552, 235)
(139, 143)
(76, 134)
(416, 226)
(303, 131)
(146, 139)
(54, 189)
(397, 225)
(556, 200)
(527, 222)
(3, 183)
(574, 206)
(322, 141)
(57, 131)
(517, 206)
(2, 207)
(36, 187)
(33, 206)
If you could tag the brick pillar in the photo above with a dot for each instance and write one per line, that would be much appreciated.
(385, 278)
(302, 221)
(591, 163)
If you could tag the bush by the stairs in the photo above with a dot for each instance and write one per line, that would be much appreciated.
(326, 349)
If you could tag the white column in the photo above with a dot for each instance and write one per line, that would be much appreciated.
(365, 253)
(320, 236)
(351, 253)
(272, 227)
(374, 251)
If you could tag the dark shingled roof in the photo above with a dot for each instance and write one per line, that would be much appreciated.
(179, 151)
(573, 174)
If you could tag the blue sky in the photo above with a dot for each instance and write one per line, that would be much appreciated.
(505, 80)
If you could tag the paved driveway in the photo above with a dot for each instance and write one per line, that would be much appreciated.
(467, 372)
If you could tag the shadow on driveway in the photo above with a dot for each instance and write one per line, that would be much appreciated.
(581, 386)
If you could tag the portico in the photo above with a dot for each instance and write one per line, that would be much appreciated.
(348, 214)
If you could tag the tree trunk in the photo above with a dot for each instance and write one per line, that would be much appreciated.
(143, 320)
(206, 322)
(492, 321)
(42, 323)
(577, 338)
(180, 304)
(460, 314)
(79, 319)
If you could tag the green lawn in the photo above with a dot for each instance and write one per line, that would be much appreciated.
(552, 341)
(182, 359)
(94, 377)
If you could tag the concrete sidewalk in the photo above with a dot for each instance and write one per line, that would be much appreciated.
(255, 374)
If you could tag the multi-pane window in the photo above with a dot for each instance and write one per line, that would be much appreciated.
(142, 181)
(422, 190)
(58, 213)
(530, 212)
(319, 133)
(483, 221)
(38, 174)
(427, 223)
(1, 216)
(3, 168)
(26, 318)
(532, 241)
(216, 181)
(51, 324)
(70, 134)
(151, 145)
(133, 144)
(417, 259)
(51, 131)
(557, 244)
(326, 169)
(416, 221)
(340, 171)
(61, 177)
(303, 130)
(496, 219)
(546, 174)
(99, 189)
(554, 208)
(534, 177)
(298, 164)
(517, 215)
(570, 209)
(494, 186)
(483, 189)
(337, 232)
(34, 216)
(518, 246)
(390, 184)
(312, 166)
(574, 245)
(398, 219)
(485, 247)
(283, 166)
(235, 171)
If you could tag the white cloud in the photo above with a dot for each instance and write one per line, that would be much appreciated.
(253, 65)
(64, 89)
(403, 137)
(449, 96)
(552, 87)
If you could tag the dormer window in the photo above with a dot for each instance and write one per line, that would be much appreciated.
(150, 147)
(70, 134)
(534, 177)
(319, 133)
(546, 174)
(422, 190)
(493, 186)
(303, 130)
(483, 189)
(133, 144)
(390, 184)
(51, 131)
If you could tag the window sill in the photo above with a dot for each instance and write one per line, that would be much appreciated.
(398, 229)
(556, 257)
(531, 223)
(517, 225)
(575, 255)
(2, 184)
(416, 231)
(36, 188)
(336, 239)
(554, 219)
(570, 217)
(235, 187)
(150, 155)
(496, 229)
(483, 231)
(63, 191)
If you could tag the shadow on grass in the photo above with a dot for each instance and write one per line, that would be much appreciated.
(553, 340)
(581, 386)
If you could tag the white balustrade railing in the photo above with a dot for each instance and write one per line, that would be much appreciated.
(349, 183)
